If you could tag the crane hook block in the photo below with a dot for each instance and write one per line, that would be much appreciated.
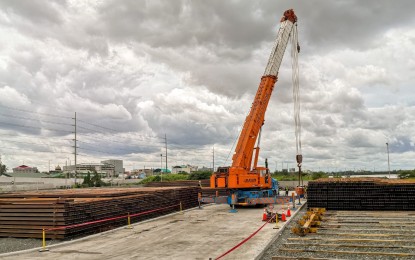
(299, 158)
(289, 15)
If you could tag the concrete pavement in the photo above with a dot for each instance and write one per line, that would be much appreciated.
(194, 234)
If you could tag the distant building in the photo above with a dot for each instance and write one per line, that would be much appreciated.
(162, 170)
(142, 173)
(118, 166)
(184, 169)
(104, 169)
(25, 169)
(57, 170)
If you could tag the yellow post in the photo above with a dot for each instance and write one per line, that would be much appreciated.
(129, 221)
(181, 208)
(276, 220)
(43, 249)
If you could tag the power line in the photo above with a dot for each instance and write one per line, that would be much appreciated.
(93, 150)
(20, 149)
(33, 119)
(34, 127)
(119, 142)
(97, 125)
(106, 128)
(13, 141)
(121, 137)
(37, 113)
(33, 136)
(128, 150)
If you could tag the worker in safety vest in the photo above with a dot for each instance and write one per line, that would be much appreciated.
(286, 191)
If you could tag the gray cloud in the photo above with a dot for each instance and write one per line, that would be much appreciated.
(190, 69)
(34, 11)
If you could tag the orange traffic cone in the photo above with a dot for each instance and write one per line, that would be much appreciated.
(264, 216)
(283, 218)
(288, 212)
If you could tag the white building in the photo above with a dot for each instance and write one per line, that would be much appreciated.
(118, 166)
(25, 169)
(184, 168)
(82, 169)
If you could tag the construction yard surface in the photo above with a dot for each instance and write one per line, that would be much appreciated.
(193, 234)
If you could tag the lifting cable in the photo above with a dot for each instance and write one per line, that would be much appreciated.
(295, 49)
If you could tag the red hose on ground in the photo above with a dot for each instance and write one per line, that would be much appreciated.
(245, 240)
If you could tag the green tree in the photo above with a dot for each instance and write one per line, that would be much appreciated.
(318, 175)
(87, 181)
(406, 174)
(3, 169)
(96, 180)
(199, 175)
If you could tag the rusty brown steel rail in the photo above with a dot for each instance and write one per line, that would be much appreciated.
(25, 214)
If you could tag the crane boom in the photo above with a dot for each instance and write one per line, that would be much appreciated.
(242, 174)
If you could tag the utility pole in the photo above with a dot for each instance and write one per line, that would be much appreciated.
(66, 174)
(161, 166)
(165, 138)
(213, 164)
(75, 147)
(1, 167)
(389, 167)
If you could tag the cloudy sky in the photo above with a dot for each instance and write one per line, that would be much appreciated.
(137, 71)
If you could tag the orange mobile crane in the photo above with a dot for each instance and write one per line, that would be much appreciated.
(246, 182)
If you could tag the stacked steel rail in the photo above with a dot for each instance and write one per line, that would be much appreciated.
(361, 194)
(206, 191)
(25, 214)
(183, 183)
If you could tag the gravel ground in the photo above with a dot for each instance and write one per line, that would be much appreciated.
(273, 249)
(354, 228)
(16, 244)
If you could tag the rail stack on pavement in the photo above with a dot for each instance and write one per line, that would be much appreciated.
(361, 194)
(183, 183)
(25, 214)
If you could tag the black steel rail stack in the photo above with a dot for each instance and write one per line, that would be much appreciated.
(361, 194)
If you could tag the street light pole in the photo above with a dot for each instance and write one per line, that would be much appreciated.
(66, 174)
(161, 166)
(389, 167)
